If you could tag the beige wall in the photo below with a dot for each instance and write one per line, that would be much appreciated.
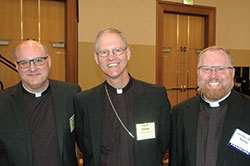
(137, 20)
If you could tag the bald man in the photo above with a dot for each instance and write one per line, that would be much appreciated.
(37, 115)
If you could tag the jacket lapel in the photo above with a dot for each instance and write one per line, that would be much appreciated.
(140, 105)
(95, 116)
(234, 115)
(19, 110)
(58, 107)
(190, 124)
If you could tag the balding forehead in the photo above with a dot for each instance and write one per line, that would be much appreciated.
(215, 51)
(30, 43)
(25, 47)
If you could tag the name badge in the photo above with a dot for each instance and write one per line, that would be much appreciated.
(240, 141)
(145, 131)
(72, 123)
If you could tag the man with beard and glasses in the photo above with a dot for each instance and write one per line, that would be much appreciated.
(213, 128)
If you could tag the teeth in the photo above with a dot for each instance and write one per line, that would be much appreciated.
(213, 83)
(113, 64)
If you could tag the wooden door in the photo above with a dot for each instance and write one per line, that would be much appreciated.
(183, 38)
(44, 22)
(53, 35)
(9, 32)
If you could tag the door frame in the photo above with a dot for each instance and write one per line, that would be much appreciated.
(162, 6)
(71, 8)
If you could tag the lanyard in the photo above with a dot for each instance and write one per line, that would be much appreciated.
(117, 113)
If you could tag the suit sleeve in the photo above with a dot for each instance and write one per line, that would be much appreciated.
(79, 127)
(164, 125)
(3, 157)
(173, 147)
(176, 144)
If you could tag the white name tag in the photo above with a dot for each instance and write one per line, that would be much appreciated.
(240, 141)
(72, 123)
(145, 131)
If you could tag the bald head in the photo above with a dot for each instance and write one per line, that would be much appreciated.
(30, 44)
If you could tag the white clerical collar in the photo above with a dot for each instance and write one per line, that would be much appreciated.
(214, 103)
(37, 94)
(119, 91)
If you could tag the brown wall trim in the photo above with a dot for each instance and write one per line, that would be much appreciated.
(71, 41)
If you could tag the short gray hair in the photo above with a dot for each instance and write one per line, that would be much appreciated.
(216, 48)
(110, 30)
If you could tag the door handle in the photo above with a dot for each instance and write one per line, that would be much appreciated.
(166, 50)
(184, 49)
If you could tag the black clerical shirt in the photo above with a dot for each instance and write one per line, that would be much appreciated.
(42, 127)
(117, 145)
(210, 123)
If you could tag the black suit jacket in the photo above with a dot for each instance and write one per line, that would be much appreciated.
(150, 105)
(185, 119)
(15, 145)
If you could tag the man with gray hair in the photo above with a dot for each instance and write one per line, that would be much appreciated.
(213, 128)
(37, 118)
(123, 121)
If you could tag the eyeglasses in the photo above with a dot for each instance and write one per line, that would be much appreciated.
(37, 61)
(115, 51)
(218, 69)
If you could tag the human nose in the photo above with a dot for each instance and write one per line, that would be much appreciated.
(32, 66)
(111, 55)
(213, 72)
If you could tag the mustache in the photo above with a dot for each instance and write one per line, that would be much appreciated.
(214, 80)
